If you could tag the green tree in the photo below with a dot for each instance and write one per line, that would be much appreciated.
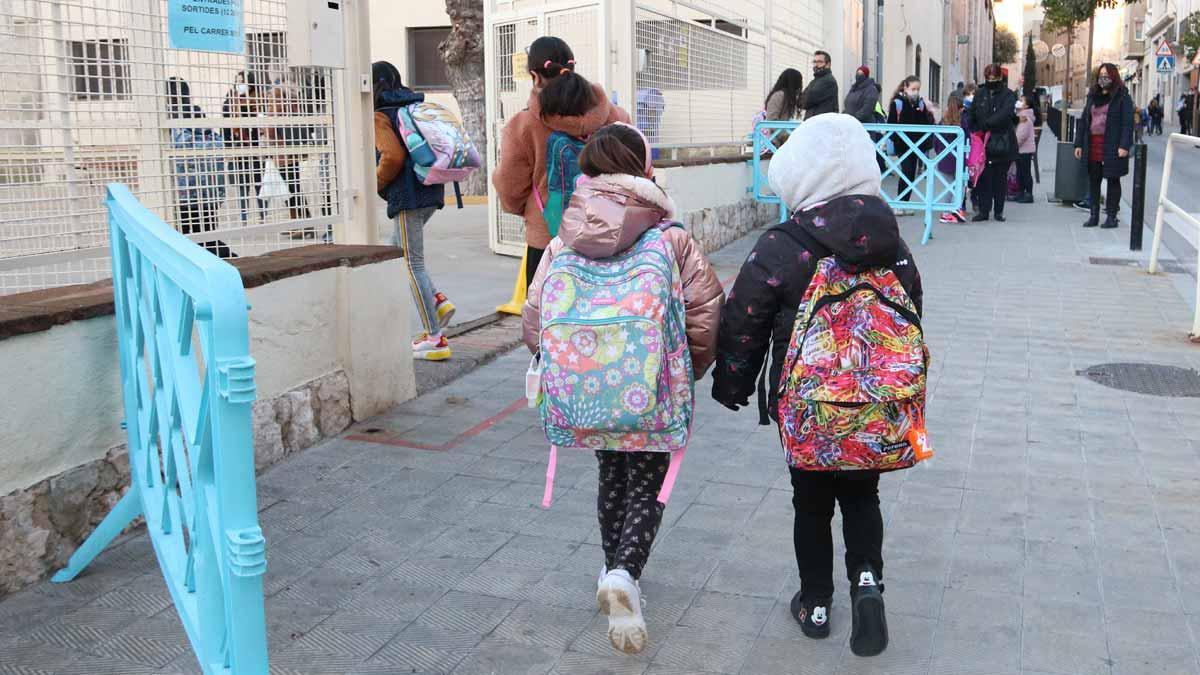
(1004, 46)
(1189, 35)
(1066, 15)
(1030, 72)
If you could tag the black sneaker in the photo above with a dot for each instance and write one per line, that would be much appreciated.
(868, 632)
(1083, 205)
(813, 615)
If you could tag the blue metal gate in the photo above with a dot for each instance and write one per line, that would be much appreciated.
(188, 383)
(930, 191)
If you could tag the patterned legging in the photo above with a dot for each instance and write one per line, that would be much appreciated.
(627, 506)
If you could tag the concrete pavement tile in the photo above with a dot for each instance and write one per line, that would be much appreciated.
(1147, 627)
(1134, 658)
(1060, 530)
(707, 649)
(966, 649)
(1059, 652)
(1146, 563)
(915, 598)
(501, 580)
(435, 571)
(982, 610)
(578, 663)
(1144, 594)
(389, 600)
(1040, 614)
(496, 655)
(730, 495)
(465, 541)
(574, 588)
(422, 649)
(464, 613)
(531, 552)
(544, 626)
(731, 613)
(749, 578)
(774, 656)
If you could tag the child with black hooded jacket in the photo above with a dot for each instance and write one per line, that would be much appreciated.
(827, 176)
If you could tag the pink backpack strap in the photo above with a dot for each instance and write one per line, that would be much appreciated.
(664, 493)
(551, 467)
(537, 197)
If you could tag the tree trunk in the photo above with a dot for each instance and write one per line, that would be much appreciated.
(1089, 71)
(462, 52)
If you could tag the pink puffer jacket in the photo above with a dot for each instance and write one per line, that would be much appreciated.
(606, 216)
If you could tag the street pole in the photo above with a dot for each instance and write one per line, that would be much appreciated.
(1087, 68)
(1138, 207)
(1067, 78)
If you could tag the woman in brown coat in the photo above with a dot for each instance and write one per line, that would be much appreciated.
(561, 100)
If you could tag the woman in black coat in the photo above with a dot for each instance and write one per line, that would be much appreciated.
(994, 112)
(1105, 134)
(907, 107)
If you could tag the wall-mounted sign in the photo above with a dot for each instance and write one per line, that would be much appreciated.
(206, 25)
(520, 66)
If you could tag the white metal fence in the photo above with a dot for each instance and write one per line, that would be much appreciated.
(701, 68)
(1165, 205)
(90, 93)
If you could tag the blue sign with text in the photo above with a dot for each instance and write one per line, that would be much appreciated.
(206, 25)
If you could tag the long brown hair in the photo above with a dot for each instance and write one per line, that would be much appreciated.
(616, 148)
(954, 109)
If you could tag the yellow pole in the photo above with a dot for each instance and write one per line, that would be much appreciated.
(517, 302)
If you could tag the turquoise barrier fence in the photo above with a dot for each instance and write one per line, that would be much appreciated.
(931, 190)
(188, 383)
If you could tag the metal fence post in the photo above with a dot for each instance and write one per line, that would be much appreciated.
(1138, 205)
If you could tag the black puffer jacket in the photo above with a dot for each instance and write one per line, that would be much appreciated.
(995, 111)
(761, 309)
(861, 100)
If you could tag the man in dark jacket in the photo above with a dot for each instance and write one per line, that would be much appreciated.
(863, 97)
(821, 94)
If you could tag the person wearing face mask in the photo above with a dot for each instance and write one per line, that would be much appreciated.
(1104, 136)
(821, 94)
(993, 112)
(1026, 149)
(862, 102)
(907, 107)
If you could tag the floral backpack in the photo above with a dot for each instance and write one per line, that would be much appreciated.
(440, 147)
(853, 389)
(616, 373)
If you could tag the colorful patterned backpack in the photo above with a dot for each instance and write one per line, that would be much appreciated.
(853, 388)
(562, 173)
(441, 149)
(616, 373)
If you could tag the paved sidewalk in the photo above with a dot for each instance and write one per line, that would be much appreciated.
(1056, 532)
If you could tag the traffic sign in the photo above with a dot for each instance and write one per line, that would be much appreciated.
(1166, 64)
(1164, 49)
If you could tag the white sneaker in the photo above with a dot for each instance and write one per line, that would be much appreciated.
(620, 599)
(431, 348)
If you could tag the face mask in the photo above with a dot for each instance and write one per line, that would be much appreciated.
(967, 100)
(913, 95)
(243, 89)
(859, 77)
(1021, 105)
(817, 70)
(1104, 82)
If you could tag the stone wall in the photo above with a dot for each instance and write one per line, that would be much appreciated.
(41, 526)
(718, 226)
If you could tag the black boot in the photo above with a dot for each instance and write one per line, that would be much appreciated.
(1025, 198)
(868, 632)
(1110, 222)
(1094, 219)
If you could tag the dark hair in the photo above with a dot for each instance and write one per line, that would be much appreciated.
(179, 99)
(993, 70)
(904, 84)
(828, 58)
(1111, 71)
(616, 148)
(791, 83)
(385, 78)
(564, 92)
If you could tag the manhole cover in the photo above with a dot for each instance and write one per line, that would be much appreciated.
(1168, 266)
(1146, 378)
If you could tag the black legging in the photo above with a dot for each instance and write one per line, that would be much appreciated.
(910, 167)
(992, 188)
(197, 217)
(296, 201)
(627, 506)
(1025, 172)
(813, 496)
(533, 258)
(1112, 198)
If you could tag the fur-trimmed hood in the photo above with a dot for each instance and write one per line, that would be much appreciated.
(608, 213)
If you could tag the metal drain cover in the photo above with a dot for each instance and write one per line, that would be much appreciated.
(1146, 378)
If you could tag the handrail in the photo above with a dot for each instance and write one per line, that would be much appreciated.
(1164, 205)
(937, 192)
(188, 384)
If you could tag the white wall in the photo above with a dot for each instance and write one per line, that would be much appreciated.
(922, 21)
(390, 21)
(693, 188)
(301, 328)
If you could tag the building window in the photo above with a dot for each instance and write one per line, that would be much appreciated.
(506, 46)
(917, 63)
(99, 70)
(1139, 30)
(426, 70)
(935, 81)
